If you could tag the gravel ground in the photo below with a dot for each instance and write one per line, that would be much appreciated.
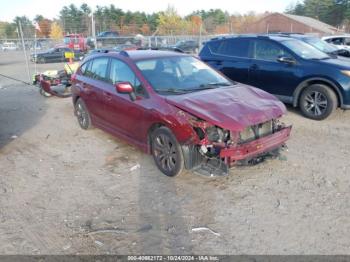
(68, 191)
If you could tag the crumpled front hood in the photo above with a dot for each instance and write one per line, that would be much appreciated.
(232, 108)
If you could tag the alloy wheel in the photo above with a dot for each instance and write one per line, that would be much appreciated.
(81, 115)
(165, 152)
(316, 103)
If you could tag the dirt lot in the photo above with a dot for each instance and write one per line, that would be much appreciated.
(68, 191)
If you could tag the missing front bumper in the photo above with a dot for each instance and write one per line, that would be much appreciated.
(255, 148)
(251, 153)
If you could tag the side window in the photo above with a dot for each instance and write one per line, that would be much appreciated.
(213, 46)
(84, 67)
(98, 69)
(337, 41)
(234, 47)
(266, 50)
(121, 72)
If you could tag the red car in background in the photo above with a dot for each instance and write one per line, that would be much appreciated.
(76, 42)
(183, 112)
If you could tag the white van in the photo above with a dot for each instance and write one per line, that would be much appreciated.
(8, 46)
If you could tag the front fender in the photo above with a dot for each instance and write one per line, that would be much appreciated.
(305, 83)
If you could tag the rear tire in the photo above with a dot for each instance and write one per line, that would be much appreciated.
(167, 152)
(82, 114)
(318, 101)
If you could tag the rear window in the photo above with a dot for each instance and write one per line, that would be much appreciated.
(231, 47)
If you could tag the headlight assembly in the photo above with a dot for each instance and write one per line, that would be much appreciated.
(345, 72)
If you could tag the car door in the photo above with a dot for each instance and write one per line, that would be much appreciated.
(49, 56)
(267, 73)
(92, 82)
(122, 113)
(56, 55)
(230, 56)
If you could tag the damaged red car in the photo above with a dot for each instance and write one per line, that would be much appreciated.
(180, 110)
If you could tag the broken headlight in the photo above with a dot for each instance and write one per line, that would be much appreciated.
(217, 134)
(251, 133)
(247, 135)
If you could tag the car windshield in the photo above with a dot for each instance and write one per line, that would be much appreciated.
(177, 75)
(304, 50)
(320, 44)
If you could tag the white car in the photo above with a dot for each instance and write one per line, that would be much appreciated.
(8, 46)
(339, 41)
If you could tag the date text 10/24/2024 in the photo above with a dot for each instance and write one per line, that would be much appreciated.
(173, 258)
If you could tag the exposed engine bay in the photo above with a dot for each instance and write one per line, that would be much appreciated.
(219, 149)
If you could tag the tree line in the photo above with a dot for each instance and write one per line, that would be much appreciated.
(77, 19)
(333, 12)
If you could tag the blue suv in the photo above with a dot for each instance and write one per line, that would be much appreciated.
(292, 70)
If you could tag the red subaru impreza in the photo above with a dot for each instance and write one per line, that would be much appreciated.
(183, 112)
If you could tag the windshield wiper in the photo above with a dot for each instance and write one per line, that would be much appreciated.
(173, 90)
(201, 87)
(212, 85)
(321, 58)
(216, 84)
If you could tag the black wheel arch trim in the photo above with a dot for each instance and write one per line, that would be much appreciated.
(302, 85)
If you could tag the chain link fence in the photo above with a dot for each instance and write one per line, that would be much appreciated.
(190, 43)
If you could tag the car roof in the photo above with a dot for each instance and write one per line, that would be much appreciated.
(335, 36)
(276, 37)
(136, 55)
(296, 35)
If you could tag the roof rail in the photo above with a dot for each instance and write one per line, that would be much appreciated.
(233, 36)
(263, 36)
(124, 53)
(285, 33)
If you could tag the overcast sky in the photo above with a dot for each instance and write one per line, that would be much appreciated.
(51, 8)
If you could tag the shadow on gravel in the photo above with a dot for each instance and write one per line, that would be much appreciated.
(21, 107)
(165, 230)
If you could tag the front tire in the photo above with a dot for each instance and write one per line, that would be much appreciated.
(167, 152)
(82, 114)
(318, 101)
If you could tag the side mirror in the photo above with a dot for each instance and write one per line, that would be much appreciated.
(286, 60)
(126, 88)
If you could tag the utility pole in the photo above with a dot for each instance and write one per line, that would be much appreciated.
(24, 50)
(200, 34)
(93, 29)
